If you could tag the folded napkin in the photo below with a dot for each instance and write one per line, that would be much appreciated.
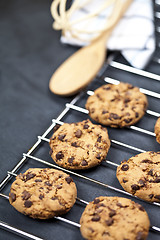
(133, 35)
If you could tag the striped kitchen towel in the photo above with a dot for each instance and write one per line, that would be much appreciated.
(133, 35)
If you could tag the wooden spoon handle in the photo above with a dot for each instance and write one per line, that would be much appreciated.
(79, 69)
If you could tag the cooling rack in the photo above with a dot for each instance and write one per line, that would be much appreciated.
(100, 180)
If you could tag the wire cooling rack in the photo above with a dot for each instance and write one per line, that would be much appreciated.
(124, 144)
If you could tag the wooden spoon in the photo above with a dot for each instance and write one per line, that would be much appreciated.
(81, 68)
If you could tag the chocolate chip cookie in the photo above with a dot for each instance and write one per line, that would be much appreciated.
(140, 176)
(114, 218)
(79, 145)
(117, 105)
(43, 193)
(157, 130)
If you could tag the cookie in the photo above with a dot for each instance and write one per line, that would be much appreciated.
(43, 193)
(117, 105)
(114, 218)
(140, 176)
(157, 130)
(79, 145)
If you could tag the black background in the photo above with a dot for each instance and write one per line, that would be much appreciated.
(30, 51)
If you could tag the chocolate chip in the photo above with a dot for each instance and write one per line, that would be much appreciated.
(112, 213)
(99, 139)
(126, 100)
(141, 182)
(146, 161)
(61, 137)
(157, 197)
(104, 112)
(61, 203)
(125, 180)
(99, 210)
(13, 197)
(92, 110)
(78, 133)
(135, 187)
(98, 156)
(54, 198)
(106, 88)
(141, 208)
(28, 204)
(150, 196)
(137, 114)
(29, 176)
(98, 147)
(90, 229)
(130, 86)
(105, 234)
(69, 180)
(151, 172)
(96, 200)
(157, 180)
(70, 160)
(59, 155)
(41, 196)
(98, 96)
(86, 126)
(25, 195)
(140, 236)
(128, 120)
(151, 181)
(114, 116)
(59, 186)
(127, 114)
(97, 119)
(98, 205)
(151, 153)
(109, 222)
(74, 144)
(48, 183)
(96, 218)
(124, 167)
(119, 205)
(52, 138)
(38, 180)
(84, 163)
(56, 127)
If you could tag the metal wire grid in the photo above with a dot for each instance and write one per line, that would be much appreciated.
(72, 105)
(67, 111)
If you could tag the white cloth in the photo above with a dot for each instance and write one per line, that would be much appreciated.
(133, 35)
